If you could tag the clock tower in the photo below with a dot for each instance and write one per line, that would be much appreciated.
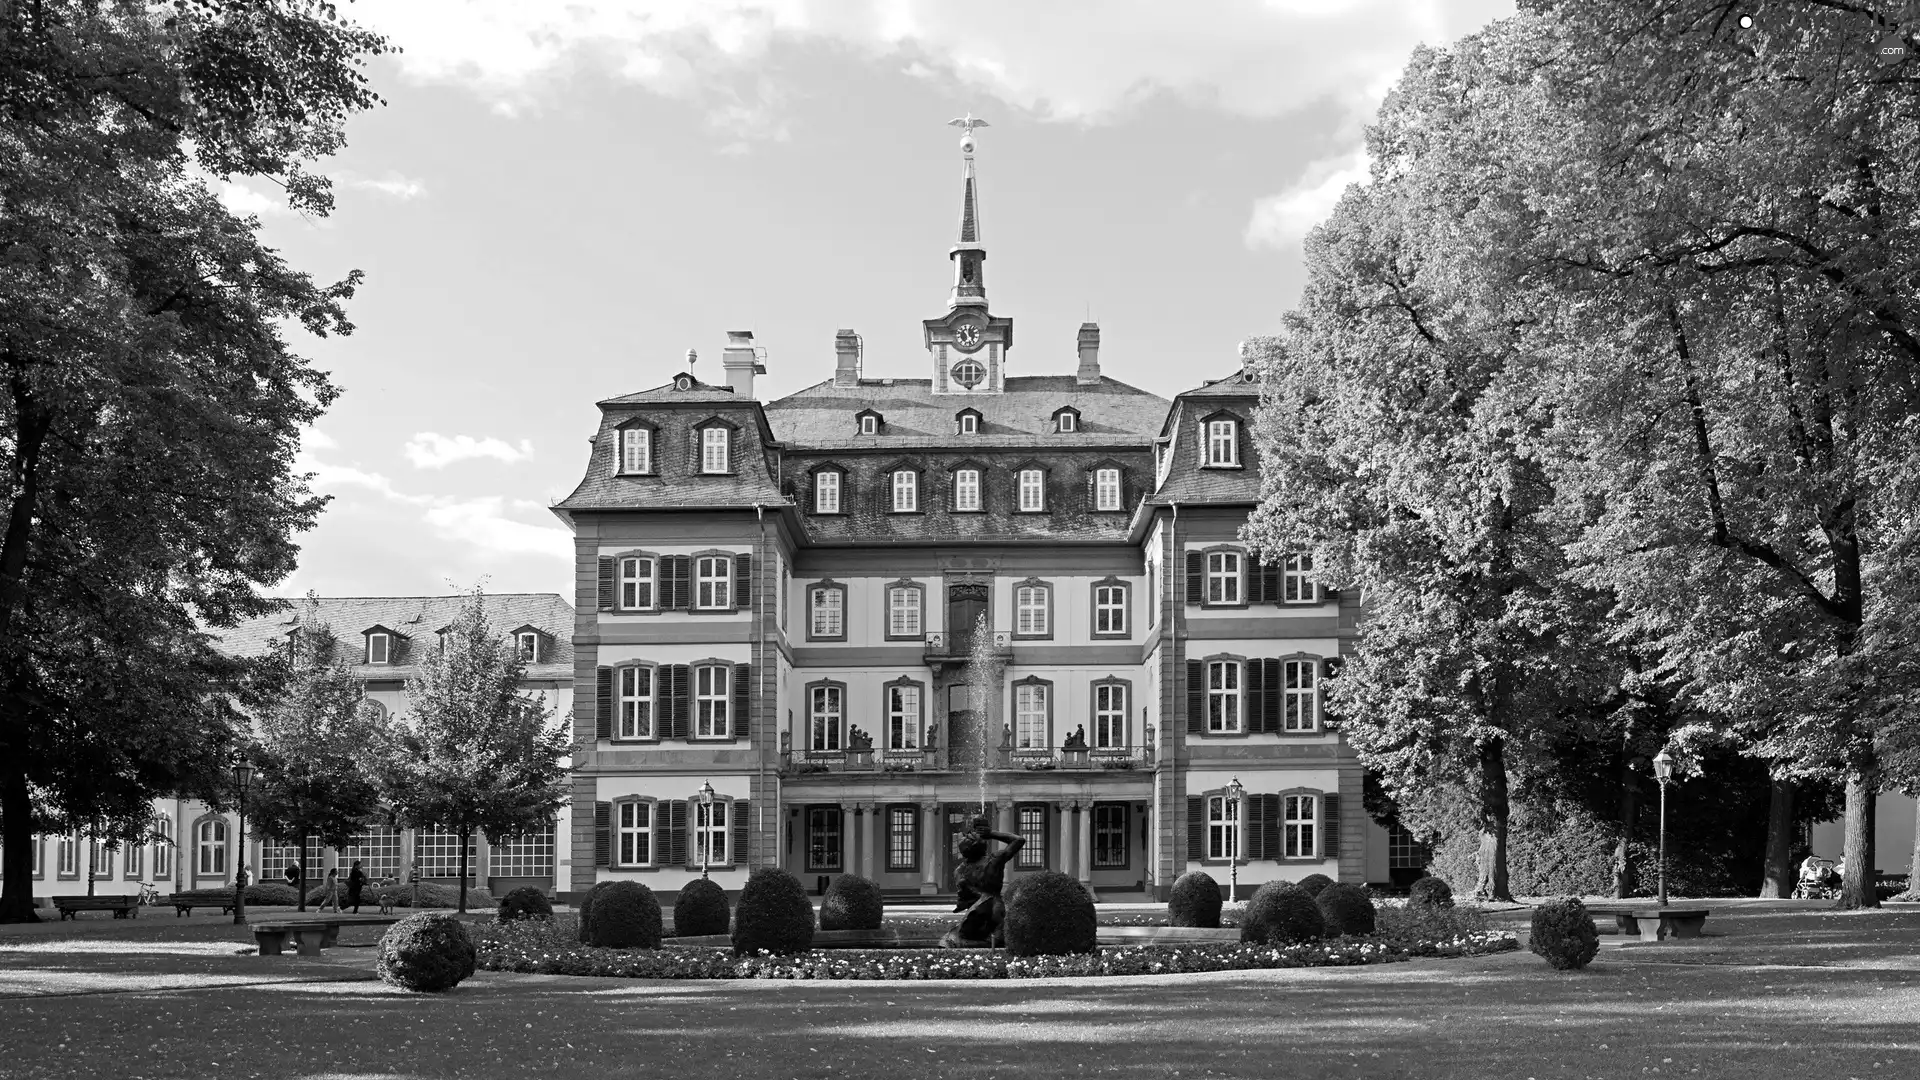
(968, 345)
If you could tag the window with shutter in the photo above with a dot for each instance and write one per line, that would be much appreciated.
(1330, 826)
(672, 849)
(602, 834)
(606, 583)
(710, 834)
(1299, 826)
(713, 582)
(633, 833)
(742, 699)
(1270, 827)
(1297, 586)
(1196, 696)
(1196, 828)
(675, 574)
(742, 811)
(1196, 577)
(603, 704)
(743, 582)
(1301, 714)
(634, 583)
(1224, 704)
(1223, 578)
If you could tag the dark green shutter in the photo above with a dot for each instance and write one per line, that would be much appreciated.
(673, 846)
(1093, 493)
(606, 583)
(1256, 828)
(684, 592)
(676, 696)
(742, 582)
(1196, 695)
(737, 846)
(603, 704)
(603, 834)
(738, 723)
(1330, 826)
(1256, 581)
(1196, 828)
(1270, 811)
(1196, 577)
(1276, 696)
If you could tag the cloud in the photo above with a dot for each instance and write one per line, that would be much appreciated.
(428, 450)
(1067, 62)
(244, 201)
(399, 187)
(481, 522)
(315, 439)
(1284, 219)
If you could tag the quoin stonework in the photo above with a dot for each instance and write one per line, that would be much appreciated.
(779, 599)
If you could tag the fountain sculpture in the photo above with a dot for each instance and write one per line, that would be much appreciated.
(982, 871)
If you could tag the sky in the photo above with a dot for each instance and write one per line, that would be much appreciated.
(559, 200)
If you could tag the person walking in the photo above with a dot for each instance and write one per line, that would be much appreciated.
(296, 881)
(331, 895)
(356, 881)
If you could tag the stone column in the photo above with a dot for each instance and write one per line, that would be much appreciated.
(1008, 822)
(1063, 851)
(1083, 855)
(930, 852)
(849, 837)
(869, 839)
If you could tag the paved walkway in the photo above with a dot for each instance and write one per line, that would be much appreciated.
(1783, 992)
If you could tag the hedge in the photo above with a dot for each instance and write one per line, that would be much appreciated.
(1194, 900)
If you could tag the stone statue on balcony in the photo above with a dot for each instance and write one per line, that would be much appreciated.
(981, 875)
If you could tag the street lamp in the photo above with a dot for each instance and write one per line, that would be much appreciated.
(704, 832)
(1234, 791)
(242, 776)
(1663, 772)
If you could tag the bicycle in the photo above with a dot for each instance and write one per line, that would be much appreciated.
(149, 896)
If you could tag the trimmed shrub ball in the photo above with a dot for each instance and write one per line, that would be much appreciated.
(852, 903)
(1313, 883)
(425, 953)
(625, 916)
(773, 914)
(1430, 892)
(1194, 901)
(700, 910)
(586, 909)
(1051, 915)
(1564, 934)
(1347, 909)
(1282, 913)
(525, 902)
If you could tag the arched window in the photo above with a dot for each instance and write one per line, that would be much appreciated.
(210, 847)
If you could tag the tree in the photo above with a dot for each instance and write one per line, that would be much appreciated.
(150, 406)
(472, 751)
(311, 748)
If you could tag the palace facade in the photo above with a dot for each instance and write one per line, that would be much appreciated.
(857, 613)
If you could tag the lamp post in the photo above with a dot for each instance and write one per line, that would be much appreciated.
(704, 831)
(1663, 772)
(1234, 792)
(242, 776)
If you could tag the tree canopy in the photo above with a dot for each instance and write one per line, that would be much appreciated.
(150, 401)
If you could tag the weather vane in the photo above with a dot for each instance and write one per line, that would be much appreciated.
(966, 124)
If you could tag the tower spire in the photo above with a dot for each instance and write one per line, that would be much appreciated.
(969, 255)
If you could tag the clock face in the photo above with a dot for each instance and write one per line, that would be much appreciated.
(966, 337)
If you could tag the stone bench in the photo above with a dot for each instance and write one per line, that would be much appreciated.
(1657, 923)
(121, 906)
(309, 935)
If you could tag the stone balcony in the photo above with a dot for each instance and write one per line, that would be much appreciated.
(941, 651)
(799, 764)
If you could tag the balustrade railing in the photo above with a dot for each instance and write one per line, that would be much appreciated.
(796, 763)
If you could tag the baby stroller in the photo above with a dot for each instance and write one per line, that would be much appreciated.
(1819, 880)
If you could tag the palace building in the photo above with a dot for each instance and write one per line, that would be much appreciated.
(779, 601)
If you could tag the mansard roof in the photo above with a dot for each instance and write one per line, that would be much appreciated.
(1187, 481)
(417, 617)
(1111, 412)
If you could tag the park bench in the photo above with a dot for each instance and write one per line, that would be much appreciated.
(310, 935)
(185, 905)
(1652, 923)
(121, 906)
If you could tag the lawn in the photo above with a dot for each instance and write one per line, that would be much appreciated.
(1775, 994)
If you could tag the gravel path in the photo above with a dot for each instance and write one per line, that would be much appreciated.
(1782, 993)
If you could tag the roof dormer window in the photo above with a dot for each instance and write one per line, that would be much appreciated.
(379, 648)
(967, 422)
(1066, 420)
(869, 422)
(528, 643)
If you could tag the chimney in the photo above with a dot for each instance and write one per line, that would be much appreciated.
(846, 351)
(741, 362)
(1089, 354)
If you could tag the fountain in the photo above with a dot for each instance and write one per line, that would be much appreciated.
(982, 871)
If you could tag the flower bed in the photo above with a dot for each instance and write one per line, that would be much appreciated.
(542, 948)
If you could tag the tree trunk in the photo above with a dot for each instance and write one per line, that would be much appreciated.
(1623, 879)
(301, 862)
(1777, 874)
(464, 834)
(16, 842)
(1856, 885)
(1493, 814)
